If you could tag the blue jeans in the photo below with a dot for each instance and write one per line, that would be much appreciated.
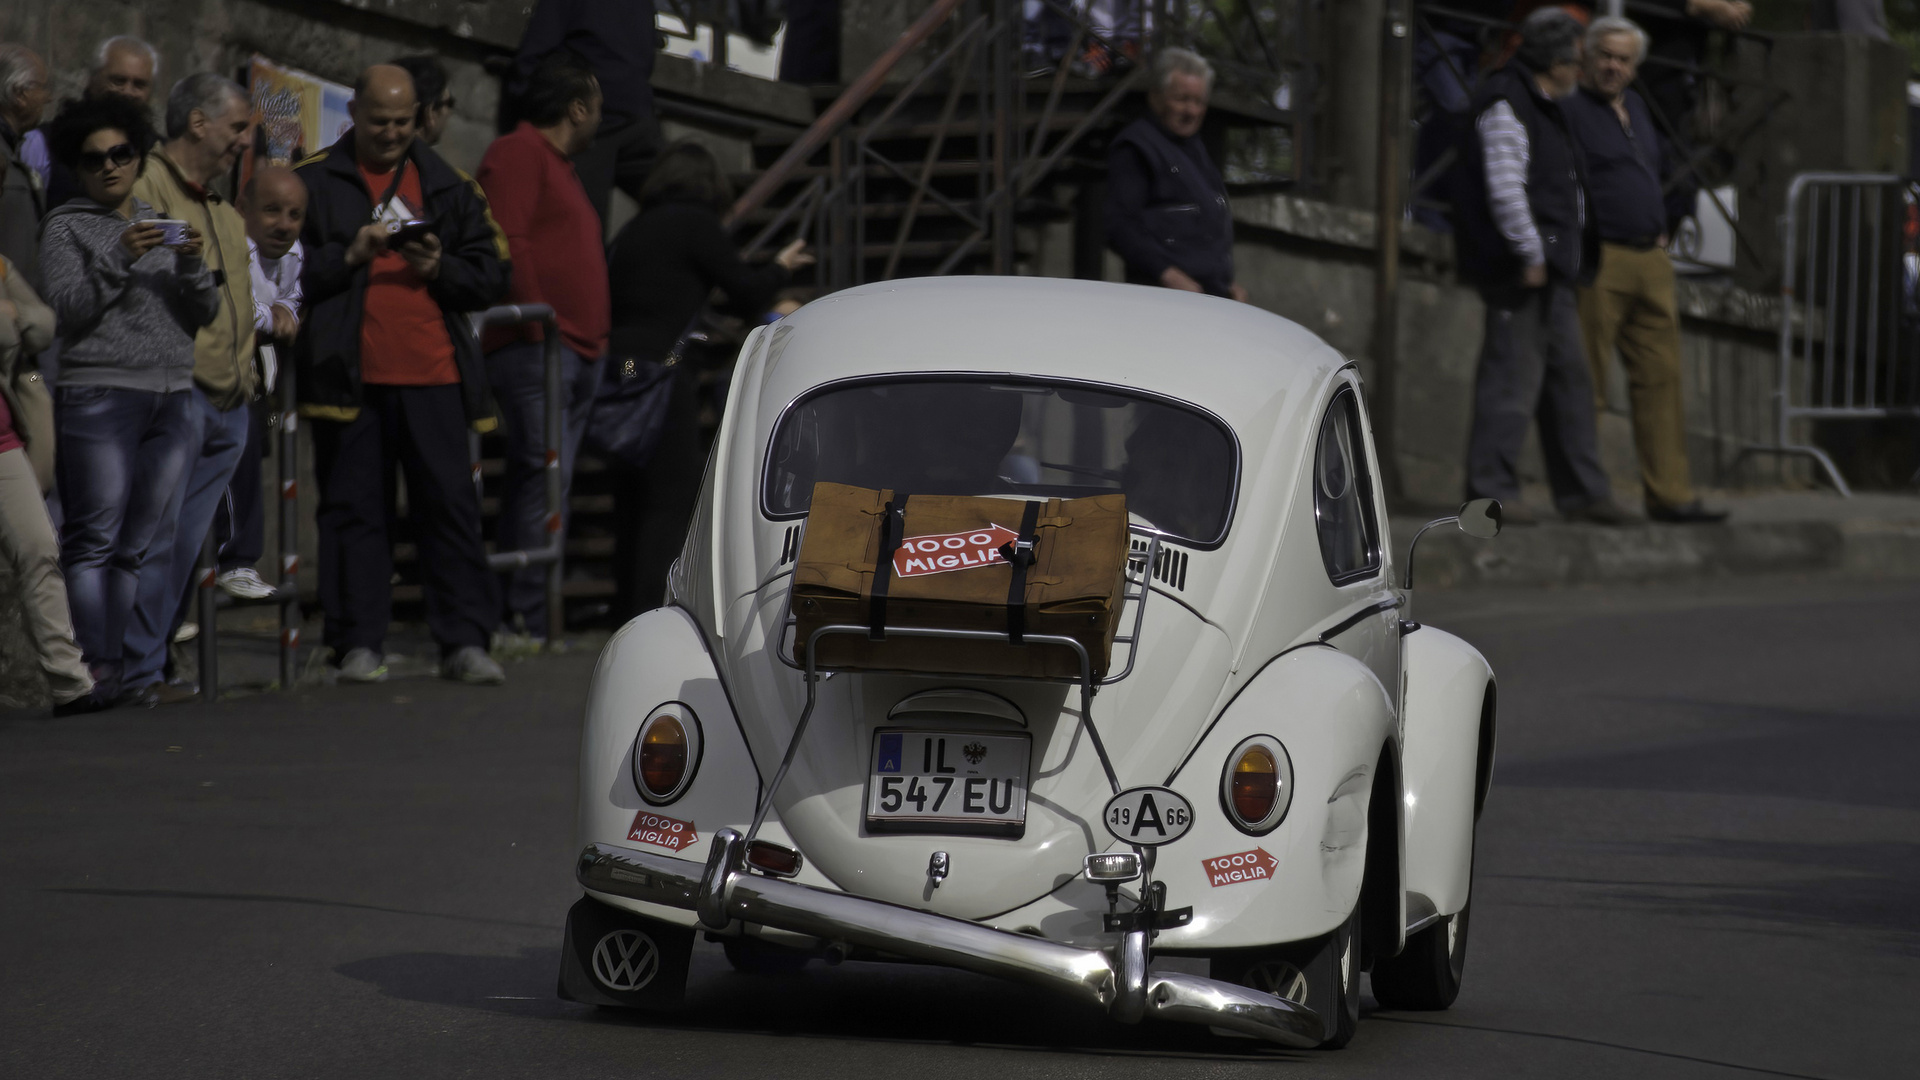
(122, 458)
(213, 450)
(519, 380)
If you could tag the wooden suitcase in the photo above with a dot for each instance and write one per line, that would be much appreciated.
(958, 563)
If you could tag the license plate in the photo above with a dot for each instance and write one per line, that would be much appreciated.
(948, 782)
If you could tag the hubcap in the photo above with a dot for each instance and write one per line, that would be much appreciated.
(1279, 978)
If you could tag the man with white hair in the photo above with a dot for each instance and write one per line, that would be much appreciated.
(23, 97)
(1166, 211)
(123, 65)
(1630, 304)
(209, 119)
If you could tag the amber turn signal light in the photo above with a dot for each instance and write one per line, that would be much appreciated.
(1258, 784)
(665, 754)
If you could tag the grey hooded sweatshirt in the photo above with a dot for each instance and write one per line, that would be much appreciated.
(123, 323)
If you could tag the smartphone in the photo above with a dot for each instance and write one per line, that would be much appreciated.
(173, 231)
(409, 232)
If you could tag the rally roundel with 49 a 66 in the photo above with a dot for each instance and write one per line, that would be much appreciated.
(1148, 816)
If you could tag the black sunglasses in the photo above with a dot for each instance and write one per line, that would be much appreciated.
(97, 160)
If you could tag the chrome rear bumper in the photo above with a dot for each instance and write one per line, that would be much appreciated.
(723, 890)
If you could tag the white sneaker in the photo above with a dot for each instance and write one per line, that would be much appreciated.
(244, 584)
(187, 632)
(363, 665)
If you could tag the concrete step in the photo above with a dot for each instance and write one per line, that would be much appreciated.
(1873, 536)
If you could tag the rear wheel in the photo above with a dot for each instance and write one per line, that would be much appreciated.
(1426, 975)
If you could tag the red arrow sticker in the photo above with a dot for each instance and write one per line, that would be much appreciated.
(670, 833)
(921, 555)
(1255, 865)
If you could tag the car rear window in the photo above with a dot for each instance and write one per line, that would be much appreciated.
(1017, 438)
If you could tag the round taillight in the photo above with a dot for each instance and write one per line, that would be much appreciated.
(665, 753)
(1257, 785)
(1256, 780)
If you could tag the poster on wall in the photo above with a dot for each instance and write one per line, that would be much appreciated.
(294, 113)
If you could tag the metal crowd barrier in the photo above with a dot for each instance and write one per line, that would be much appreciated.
(552, 556)
(1849, 331)
(286, 595)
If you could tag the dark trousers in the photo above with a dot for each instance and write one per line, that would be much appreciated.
(519, 379)
(652, 506)
(421, 430)
(1531, 364)
(240, 524)
(622, 154)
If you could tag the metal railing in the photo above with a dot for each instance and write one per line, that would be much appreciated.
(1849, 329)
(553, 555)
(286, 595)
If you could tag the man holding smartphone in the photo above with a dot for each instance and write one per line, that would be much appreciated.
(390, 377)
(208, 121)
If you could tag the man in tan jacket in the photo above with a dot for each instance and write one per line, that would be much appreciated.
(208, 122)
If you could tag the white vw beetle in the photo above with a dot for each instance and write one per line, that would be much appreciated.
(1271, 788)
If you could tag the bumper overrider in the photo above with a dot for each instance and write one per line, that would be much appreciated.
(723, 890)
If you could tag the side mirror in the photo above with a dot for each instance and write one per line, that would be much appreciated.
(1481, 518)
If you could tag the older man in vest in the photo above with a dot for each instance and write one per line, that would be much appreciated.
(1526, 239)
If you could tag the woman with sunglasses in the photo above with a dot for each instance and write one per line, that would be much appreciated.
(129, 304)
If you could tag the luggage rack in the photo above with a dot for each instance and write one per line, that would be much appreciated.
(789, 624)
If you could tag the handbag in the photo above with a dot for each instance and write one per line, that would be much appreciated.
(630, 408)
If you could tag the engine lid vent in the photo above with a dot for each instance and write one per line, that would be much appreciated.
(790, 547)
(1169, 567)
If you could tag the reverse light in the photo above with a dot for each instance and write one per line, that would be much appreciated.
(1257, 785)
(770, 858)
(1113, 867)
(666, 753)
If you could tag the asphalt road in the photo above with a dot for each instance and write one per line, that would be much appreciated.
(1701, 859)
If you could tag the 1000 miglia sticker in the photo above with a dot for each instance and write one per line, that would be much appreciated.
(921, 555)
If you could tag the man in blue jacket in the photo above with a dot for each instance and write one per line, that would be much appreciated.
(1166, 211)
(400, 248)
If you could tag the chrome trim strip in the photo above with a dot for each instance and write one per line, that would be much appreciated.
(1421, 913)
(1088, 975)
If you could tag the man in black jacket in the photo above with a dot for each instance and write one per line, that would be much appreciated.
(1166, 210)
(400, 247)
(1526, 239)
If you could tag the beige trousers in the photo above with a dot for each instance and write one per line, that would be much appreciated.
(1631, 306)
(28, 544)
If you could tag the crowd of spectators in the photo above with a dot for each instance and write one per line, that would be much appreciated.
(145, 316)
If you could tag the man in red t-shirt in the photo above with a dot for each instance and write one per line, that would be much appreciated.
(400, 247)
(559, 260)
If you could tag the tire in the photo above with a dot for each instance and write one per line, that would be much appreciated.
(1321, 973)
(751, 956)
(1426, 975)
(1342, 1015)
(618, 959)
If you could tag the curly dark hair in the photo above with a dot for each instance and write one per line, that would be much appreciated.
(79, 118)
(687, 172)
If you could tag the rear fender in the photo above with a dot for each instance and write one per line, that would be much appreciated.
(1334, 718)
(659, 657)
(1448, 760)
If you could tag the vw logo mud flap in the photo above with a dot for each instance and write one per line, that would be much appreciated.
(625, 960)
